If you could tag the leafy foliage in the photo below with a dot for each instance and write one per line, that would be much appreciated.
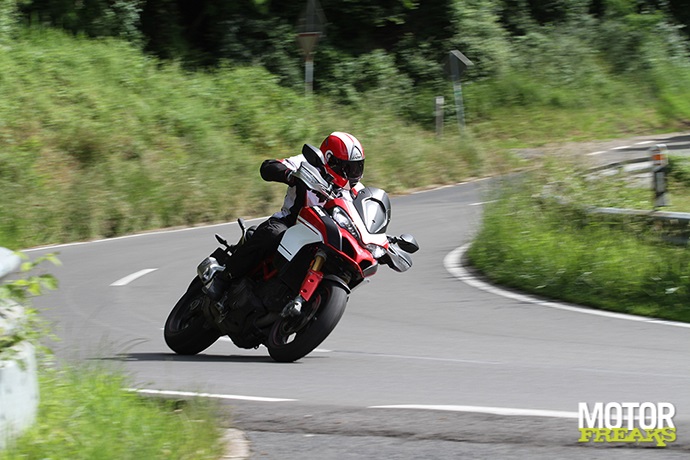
(396, 46)
(99, 140)
(561, 251)
(30, 327)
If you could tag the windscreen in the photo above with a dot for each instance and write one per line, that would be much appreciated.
(374, 206)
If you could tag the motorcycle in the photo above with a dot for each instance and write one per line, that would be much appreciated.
(294, 298)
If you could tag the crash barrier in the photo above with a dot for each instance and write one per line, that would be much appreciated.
(675, 225)
(18, 371)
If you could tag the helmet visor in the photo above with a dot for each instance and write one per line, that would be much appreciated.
(352, 170)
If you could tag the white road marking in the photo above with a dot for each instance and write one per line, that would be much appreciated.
(137, 235)
(129, 278)
(645, 142)
(481, 203)
(441, 187)
(484, 410)
(597, 153)
(621, 147)
(207, 395)
(455, 268)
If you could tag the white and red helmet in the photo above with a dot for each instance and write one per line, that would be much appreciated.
(344, 157)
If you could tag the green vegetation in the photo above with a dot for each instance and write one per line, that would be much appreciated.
(679, 184)
(85, 414)
(99, 139)
(162, 116)
(538, 237)
(16, 294)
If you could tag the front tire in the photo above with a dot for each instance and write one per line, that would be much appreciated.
(285, 344)
(186, 331)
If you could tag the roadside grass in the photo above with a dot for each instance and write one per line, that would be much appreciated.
(536, 244)
(622, 190)
(99, 140)
(84, 413)
(679, 183)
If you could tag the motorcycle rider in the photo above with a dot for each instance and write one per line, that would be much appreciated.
(343, 168)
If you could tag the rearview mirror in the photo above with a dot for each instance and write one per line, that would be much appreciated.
(313, 155)
(408, 243)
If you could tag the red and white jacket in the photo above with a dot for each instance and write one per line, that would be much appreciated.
(297, 196)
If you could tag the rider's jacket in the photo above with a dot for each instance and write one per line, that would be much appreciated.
(297, 196)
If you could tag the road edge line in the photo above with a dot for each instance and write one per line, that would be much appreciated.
(483, 410)
(453, 264)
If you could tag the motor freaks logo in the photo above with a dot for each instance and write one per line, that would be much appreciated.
(627, 422)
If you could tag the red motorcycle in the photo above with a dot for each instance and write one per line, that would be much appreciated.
(294, 299)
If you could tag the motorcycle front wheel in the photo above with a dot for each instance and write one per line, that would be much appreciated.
(290, 340)
(186, 331)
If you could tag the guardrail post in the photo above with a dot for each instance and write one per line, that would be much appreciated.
(659, 154)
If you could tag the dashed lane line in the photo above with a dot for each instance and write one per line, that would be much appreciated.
(129, 278)
(506, 411)
(484, 410)
(207, 395)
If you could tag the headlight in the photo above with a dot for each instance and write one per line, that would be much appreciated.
(376, 251)
(344, 221)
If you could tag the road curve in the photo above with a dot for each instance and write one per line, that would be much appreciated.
(422, 364)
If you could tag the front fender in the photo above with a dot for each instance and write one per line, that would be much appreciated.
(338, 281)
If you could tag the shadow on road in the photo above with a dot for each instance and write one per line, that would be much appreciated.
(202, 358)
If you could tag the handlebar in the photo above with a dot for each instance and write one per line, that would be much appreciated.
(311, 177)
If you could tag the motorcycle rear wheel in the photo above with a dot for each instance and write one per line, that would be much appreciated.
(186, 331)
(286, 345)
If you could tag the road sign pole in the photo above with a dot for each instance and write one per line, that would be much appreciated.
(308, 41)
(308, 74)
(310, 30)
(459, 107)
(458, 64)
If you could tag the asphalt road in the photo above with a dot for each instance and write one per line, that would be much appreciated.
(464, 372)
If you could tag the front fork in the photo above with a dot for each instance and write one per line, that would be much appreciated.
(309, 285)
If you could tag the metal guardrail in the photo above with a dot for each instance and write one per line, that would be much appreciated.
(679, 220)
(671, 217)
(621, 164)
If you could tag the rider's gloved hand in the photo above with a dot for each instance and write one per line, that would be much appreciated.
(290, 178)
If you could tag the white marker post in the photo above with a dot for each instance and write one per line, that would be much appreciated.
(659, 154)
(440, 102)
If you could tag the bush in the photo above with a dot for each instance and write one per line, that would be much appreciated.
(562, 252)
(111, 141)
